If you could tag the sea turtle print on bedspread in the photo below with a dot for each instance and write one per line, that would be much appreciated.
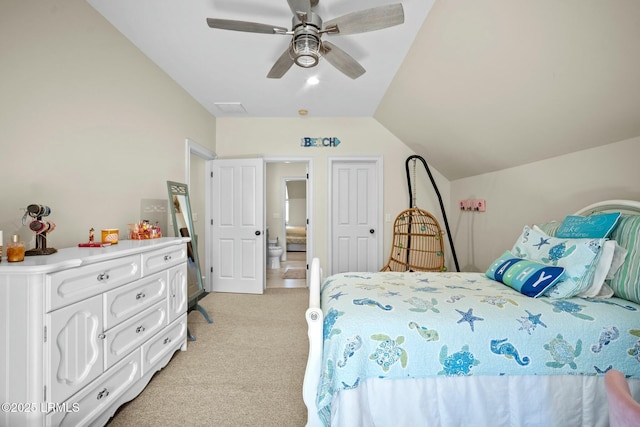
(416, 325)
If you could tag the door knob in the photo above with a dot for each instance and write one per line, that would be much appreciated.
(258, 233)
(372, 231)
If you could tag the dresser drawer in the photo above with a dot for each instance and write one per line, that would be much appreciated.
(126, 301)
(161, 259)
(87, 405)
(166, 342)
(130, 334)
(69, 286)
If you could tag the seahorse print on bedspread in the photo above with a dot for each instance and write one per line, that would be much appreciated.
(508, 350)
(329, 321)
(353, 345)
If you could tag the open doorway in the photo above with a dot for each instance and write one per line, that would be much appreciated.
(287, 221)
(295, 215)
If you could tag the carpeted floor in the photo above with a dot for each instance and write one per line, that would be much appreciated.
(245, 369)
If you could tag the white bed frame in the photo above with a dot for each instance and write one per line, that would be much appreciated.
(462, 401)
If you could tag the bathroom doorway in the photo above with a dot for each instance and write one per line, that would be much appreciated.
(287, 219)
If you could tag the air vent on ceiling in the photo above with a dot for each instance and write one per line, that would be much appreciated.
(231, 107)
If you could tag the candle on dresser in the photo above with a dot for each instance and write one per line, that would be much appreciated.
(15, 249)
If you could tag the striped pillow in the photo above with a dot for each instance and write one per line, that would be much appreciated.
(626, 282)
(550, 228)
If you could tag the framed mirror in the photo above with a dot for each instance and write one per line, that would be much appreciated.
(183, 227)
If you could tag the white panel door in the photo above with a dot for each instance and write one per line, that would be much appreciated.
(355, 216)
(238, 245)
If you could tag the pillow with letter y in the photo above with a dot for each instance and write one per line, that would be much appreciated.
(530, 278)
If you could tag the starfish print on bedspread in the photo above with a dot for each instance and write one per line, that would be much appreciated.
(468, 317)
(390, 294)
(337, 295)
(530, 322)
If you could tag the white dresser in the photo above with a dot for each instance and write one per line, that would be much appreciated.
(82, 331)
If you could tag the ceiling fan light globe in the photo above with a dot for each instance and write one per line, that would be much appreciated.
(305, 50)
(306, 61)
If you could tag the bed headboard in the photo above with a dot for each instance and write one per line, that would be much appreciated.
(623, 206)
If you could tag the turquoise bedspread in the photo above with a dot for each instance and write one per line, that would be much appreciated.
(415, 325)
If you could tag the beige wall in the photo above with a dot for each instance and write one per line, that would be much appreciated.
(89, 125)
(539, 192)
(359, 137)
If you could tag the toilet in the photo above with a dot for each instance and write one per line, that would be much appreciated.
(274, 252)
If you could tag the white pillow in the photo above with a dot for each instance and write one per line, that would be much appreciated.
(579, 258)
(601, 270)
(619, 255)
(605, 292)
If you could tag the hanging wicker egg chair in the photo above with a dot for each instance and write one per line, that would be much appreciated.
(417, 243)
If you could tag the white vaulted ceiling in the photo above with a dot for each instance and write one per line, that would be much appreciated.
(473, 86)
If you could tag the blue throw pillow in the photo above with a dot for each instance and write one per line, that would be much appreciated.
(527, 277)
(594, 226)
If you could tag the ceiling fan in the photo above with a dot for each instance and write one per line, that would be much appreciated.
(306, 45)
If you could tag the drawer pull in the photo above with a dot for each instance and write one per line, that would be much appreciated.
(167, 340)
(167, 257)
(140, 295)
(140, 329)
(103, 276)
(101, 336)
(103, 393)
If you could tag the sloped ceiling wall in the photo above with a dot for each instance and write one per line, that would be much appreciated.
(494, 84)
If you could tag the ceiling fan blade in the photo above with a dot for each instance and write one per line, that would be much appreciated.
(342, 60)
(281, 66)
(299, 7)
(249, 27)
(366, 20)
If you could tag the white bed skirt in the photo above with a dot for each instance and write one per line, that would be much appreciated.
(476, 401)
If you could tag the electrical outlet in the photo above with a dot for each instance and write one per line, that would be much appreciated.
(479, 205)
(465, 205)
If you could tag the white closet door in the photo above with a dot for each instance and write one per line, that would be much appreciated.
(355, 216)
